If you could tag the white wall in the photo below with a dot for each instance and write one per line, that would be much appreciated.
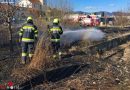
(25, 3)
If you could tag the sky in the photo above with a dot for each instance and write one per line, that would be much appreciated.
(99, 5)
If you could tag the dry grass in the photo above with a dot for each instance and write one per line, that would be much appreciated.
(42, 54)
(40, 23)
(126, 56)
(23, 74)
(75, 84)
(70, 24)
(40, 61)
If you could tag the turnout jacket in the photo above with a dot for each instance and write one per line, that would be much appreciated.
(55, 32)
(28, 33)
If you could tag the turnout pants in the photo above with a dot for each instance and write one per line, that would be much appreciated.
(27, 50)
(55, 47)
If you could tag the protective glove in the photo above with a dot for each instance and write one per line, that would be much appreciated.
(20, 39)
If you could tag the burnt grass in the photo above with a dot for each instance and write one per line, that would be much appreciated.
(75, 71)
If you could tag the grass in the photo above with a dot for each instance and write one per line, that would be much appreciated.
(39, 63)
(42, 54)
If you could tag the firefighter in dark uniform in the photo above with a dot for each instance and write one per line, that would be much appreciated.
(28, 36)
(55, 31)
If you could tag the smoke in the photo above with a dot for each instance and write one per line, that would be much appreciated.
(90, 34)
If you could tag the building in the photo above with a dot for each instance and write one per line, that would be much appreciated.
(9, 1)
(25, 3)
(35, 4)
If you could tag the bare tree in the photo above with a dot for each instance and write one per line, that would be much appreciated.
(6, 15)
(121, 19)
(59, 8)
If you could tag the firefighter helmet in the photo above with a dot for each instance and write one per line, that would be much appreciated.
(29, 18)
(56, 20)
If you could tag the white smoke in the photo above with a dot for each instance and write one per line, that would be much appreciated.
(91, 34)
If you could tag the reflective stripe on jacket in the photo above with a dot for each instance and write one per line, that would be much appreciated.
(27, 40)
(55, 32)
(55, 40)
(56, 29)
(28, 33)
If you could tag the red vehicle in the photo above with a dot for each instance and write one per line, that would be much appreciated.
(86, 22)
(96, 20)
(89, 20)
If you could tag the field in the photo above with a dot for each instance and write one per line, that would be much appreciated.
(99, 65)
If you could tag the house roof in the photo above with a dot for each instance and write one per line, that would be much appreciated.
(35, 1)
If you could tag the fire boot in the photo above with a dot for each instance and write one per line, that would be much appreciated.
(59, 54)
(23, 62)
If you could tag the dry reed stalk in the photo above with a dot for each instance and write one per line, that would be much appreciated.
(42, 54)
(40, 61)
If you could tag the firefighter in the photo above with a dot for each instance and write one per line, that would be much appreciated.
(28, 37)
(55, 32)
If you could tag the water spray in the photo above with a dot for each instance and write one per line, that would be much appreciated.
(90, 34)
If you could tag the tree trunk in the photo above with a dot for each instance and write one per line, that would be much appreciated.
(10, 30)
(10, 35)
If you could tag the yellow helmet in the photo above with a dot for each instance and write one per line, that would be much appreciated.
(56, 20)
(29, 18)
